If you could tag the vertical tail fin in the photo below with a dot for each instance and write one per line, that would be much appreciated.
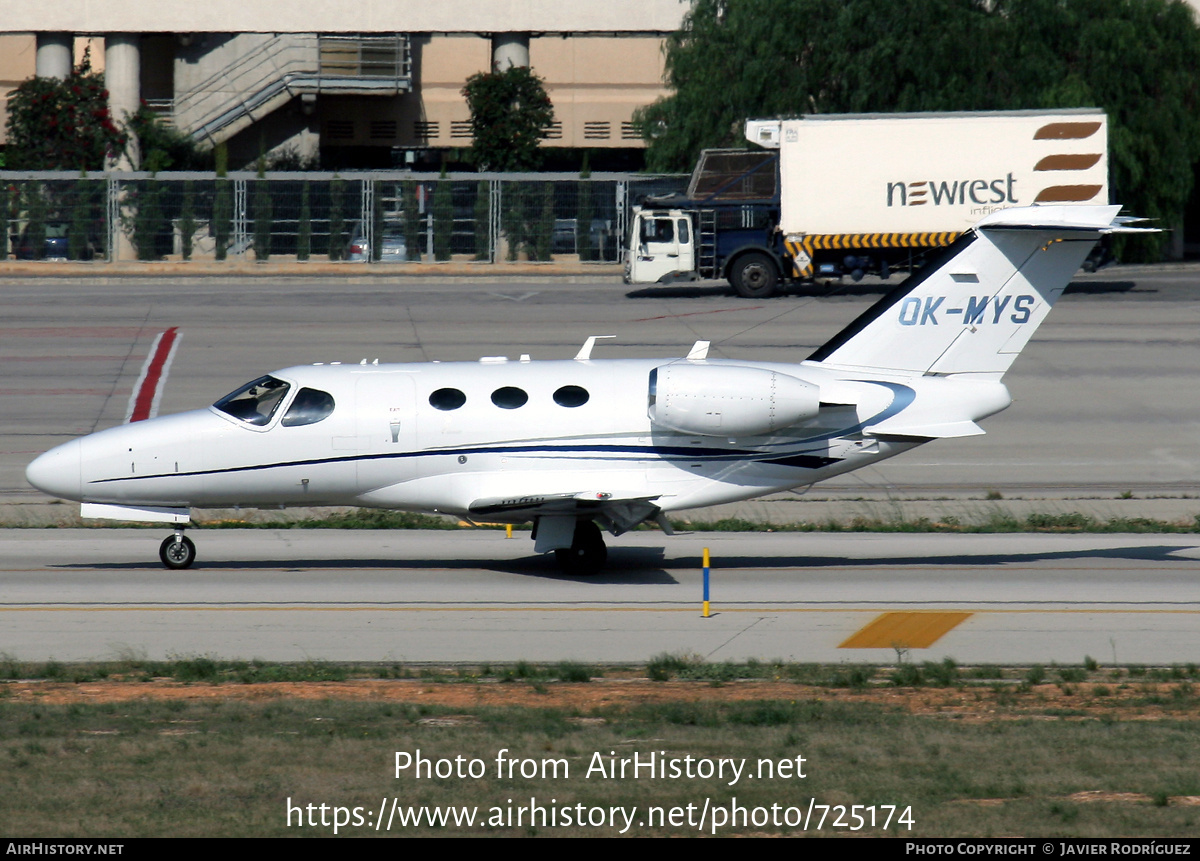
(974, 309)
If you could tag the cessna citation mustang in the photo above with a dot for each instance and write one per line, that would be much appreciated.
(584, 445)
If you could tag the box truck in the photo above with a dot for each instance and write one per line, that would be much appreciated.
(850, 194)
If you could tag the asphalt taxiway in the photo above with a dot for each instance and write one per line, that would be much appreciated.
(473, 595)
(1105, 421)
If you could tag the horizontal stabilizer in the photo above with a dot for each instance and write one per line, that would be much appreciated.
(1097, 219)
(940, 430)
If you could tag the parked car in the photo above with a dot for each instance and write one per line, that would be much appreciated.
(392, 248)
(565, 237)
(56, 245)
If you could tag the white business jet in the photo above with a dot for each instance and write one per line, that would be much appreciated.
(587, 444)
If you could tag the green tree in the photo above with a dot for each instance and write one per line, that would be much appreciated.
(147, 220)
(222, 211)
(36, 211)
(162, 147)
(262, 220)
(731, 61)
(304, 229)
(514, 217)
(222, 218)
(81, 218)
(483, 206)
(262, 213)
(7, 193)
(543, 229)
(510, 112)
(377, 220)
(187, 220)
(412, 219)
(1136, 59)
(62, 125)
(337, 218)
(584, 211)
(443, 219)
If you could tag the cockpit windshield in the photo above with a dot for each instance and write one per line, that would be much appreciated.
(254, 402)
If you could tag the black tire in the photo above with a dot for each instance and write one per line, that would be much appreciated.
(755, 276)
(587, 553)
(177, 554)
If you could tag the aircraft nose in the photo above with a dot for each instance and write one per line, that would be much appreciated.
(57, 472)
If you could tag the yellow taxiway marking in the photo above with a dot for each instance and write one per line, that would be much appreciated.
(905, 630)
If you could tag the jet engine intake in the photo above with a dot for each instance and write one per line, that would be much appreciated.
(728, 401)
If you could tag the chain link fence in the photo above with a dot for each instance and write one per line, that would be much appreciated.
(370, 217)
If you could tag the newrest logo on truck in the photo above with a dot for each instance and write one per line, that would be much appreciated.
(989, 195)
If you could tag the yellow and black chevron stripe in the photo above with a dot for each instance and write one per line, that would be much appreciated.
(803, 248)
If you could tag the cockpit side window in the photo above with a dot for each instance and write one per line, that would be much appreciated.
(254, 403)
(309, 407)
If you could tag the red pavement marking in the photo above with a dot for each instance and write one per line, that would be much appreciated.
(152, 377)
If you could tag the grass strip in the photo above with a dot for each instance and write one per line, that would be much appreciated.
(997, 522)
(222, 767)
(205, 669)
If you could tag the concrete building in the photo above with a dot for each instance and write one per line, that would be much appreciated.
(374, 83)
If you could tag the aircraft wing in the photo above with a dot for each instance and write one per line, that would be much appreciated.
(616, 511)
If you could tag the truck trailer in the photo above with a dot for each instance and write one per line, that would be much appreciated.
(828, 196)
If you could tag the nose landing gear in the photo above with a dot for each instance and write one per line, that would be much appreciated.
(177, 551)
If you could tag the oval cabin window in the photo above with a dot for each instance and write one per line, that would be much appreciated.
(447, 399)
(509, 398)
(571, 396)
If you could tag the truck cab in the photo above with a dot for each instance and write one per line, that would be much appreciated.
(662, 247)
(725, 226)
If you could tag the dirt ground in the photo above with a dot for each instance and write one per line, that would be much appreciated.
(1128, 701)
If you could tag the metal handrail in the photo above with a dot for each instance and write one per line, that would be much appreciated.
(289, 63)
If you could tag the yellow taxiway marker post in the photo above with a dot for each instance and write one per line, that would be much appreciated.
(705, 614)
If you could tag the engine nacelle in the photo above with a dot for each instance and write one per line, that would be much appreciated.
(719, 400)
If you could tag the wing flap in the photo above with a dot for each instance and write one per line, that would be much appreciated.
(617, 512)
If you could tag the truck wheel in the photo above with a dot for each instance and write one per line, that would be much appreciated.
(754, 276)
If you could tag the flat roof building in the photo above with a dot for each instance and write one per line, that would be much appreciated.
(368, 84)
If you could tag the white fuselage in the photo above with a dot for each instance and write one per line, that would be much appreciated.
(581, 445)
(518, 432)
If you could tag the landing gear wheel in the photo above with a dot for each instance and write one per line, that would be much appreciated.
(755, 276)
(177, 552)
(587, 553)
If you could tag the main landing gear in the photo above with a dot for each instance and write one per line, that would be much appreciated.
(587, 553)
(585, 557)
(177, 551)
